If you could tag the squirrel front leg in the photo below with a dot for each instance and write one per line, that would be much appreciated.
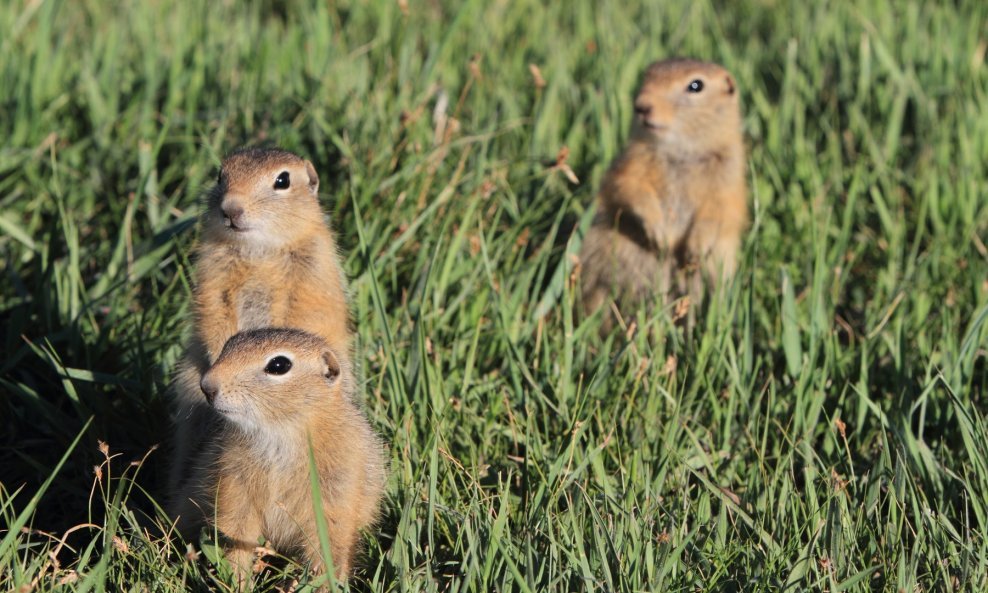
(240, 525)
(342, 539)
(217, 318)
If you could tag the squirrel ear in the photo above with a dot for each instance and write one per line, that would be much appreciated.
(313, 176)
(730, 85)
(330, 365)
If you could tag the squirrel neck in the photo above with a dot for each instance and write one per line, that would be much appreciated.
(285, 444)
(303, 253)
(725, 154)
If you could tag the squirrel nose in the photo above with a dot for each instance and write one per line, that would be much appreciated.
(642, 109)
(209, 389)
(233, 214)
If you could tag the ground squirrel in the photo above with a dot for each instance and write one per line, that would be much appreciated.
(278, 391)
(674, 200)
(265, 258)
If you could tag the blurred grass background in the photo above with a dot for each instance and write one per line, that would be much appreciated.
(822, 428)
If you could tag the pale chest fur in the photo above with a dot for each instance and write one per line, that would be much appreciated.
(302, 288)
(254, 306)
(684, 189)
(677, 203)
(258, 294)
(280, 500)
(287, 506)
(276, 482)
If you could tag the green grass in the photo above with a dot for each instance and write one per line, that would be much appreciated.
(823, 427)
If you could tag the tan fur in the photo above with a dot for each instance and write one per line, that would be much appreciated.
(280, 269)
(256, 469)
(675, 198)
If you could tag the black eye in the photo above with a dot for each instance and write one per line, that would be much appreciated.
(695, 87)
(281, 181)
(279, 365)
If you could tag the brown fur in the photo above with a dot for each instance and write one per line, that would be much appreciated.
(675, 198)
(253, 479)
(282, 269)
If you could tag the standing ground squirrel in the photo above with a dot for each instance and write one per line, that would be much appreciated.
(280, 391)
(265, 258)
(675, 198)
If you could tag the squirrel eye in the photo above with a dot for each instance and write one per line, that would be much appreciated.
(282, 181)
(695, 87)
(279, 365)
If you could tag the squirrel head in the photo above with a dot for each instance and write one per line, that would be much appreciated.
(687, 105)
(264, 200)
(273, 377)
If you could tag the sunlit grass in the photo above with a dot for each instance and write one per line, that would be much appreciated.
(822, 428)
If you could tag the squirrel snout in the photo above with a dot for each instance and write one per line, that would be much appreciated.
(233, 214)
(642, 109)
(209, 389)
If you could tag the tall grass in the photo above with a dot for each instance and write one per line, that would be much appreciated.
(822, 428)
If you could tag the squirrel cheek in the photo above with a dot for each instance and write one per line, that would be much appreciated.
(664, 114)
